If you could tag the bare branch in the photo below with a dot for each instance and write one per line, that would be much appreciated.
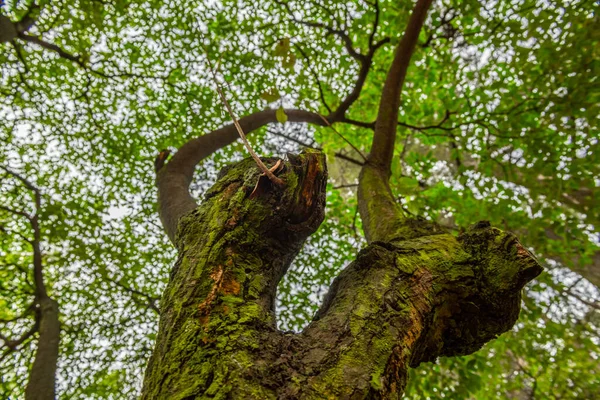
(240, 131)
(338, 154)
(52, 47)
(348, 45)
(315, 75)
(151, 301)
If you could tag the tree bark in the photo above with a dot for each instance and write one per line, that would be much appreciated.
(414, 294)
(173, 180)
(42, 377)
(383, 219)
(402, 302)
(41, 384)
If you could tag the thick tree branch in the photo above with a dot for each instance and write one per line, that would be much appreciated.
(213, 252)
(384, 137)
(399, 304)
(382, 219)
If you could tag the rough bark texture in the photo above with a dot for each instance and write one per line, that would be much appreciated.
(423, 295)
(173, 180)
(414, 294)
(234, 249)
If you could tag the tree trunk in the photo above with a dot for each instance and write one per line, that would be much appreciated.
(411, 299)
(41, 384)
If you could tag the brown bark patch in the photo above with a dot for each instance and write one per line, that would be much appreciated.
(205, 306)
(309, 186)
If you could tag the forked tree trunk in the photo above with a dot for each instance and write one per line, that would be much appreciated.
(408, 300)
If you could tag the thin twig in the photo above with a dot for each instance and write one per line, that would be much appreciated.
(342, 136)
(348, 185)
(301, 143)
(256, 158)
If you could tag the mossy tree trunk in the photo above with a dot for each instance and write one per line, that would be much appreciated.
(402, 302)
(414, 293)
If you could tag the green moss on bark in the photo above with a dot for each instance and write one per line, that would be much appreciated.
(410, 298)
(234, 249)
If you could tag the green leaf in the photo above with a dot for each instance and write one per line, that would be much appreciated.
(289, 61)
(281, 115)
(407, 185)
(271, 95)
(282, 48)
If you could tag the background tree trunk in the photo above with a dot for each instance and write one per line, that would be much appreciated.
(42, 377)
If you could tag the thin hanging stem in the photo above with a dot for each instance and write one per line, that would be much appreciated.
(256, 158)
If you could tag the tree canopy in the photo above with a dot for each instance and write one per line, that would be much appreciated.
(498, 121)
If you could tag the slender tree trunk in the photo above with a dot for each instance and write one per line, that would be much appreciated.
(41, 384)
(42, 377)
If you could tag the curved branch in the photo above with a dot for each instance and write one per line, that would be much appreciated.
(174, 179)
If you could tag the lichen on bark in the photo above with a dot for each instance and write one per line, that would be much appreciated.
(233, 251)
(418, 295)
